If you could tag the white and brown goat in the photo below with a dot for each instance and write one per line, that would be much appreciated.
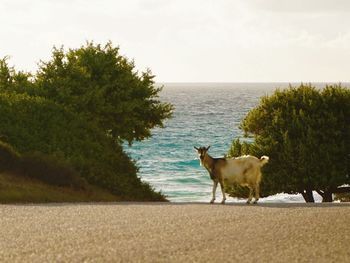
(244, 170)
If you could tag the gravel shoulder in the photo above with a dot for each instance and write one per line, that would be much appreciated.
(175, 232)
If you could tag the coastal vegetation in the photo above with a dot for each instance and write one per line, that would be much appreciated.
(70, 119)
(15, 188)
(42, 178)
(306, 133)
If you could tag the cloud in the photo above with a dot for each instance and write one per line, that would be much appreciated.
(302, 6)
(196, 40)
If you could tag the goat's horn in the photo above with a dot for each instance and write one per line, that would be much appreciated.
(208, 147)
(196, 148)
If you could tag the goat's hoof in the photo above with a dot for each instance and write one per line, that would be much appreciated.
(255, 202)
(211, 202)
(248, 202)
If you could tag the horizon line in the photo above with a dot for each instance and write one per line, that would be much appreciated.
(224, 82)
(250, 82)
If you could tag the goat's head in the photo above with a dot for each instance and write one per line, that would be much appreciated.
(202, 151)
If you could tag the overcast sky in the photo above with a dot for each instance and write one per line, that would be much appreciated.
(191, 40)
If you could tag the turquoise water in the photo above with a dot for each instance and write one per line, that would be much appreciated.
(205, 114)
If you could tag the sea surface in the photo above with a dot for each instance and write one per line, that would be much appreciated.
(205, 114)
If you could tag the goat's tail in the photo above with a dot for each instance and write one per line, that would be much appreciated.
(264, 160)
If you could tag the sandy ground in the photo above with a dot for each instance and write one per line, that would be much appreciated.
(156, 232)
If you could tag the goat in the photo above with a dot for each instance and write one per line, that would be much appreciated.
(244, 170)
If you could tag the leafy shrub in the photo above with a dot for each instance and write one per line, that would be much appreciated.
(99, 83)
(82, 105)
(9, 158)
(35, 124)
(48, 169)
(13, 81)
(51, 170)
(306, 133)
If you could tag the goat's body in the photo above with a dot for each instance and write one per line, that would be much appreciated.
(244, 170)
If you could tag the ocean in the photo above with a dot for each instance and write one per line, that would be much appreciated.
(205, 114)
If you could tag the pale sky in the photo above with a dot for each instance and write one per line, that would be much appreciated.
(190, 40)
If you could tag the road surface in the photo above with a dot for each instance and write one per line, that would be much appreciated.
(168, 232)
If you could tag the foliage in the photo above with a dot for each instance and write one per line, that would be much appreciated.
(306, 134)
(79, 107)
(51, 170)
(16, 188)
(104, 86)
(9, 158)
(13, 81)
(239, 148)
(48, 169)
(36, 124)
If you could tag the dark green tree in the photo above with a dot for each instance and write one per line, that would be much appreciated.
(99, 83)
(13, 81)
(81, 105)
(239, 148)
(35, 124)
(306, 133)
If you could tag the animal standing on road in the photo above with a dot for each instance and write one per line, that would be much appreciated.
(244, 170)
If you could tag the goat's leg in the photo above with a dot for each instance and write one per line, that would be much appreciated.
(257, 190)
(223, 193)
(214, 191)
(250, 195)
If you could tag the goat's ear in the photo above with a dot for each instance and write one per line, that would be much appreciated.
(208, 147)
(196, 148)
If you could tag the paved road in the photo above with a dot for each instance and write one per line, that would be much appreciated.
(155, 232)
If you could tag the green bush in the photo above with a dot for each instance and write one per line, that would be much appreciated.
(9, 158)
(13, 81)
(99, 83)
(82, 105)
(35, 124)
(306, 133)
(51, 170)
(48, 169)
